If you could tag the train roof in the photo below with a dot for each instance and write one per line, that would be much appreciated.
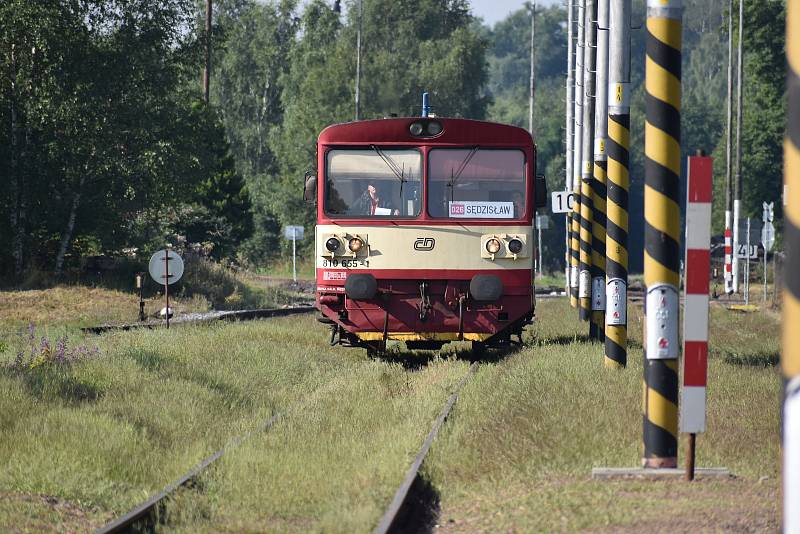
(396, 130)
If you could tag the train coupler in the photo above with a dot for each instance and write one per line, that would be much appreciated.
(424, 301)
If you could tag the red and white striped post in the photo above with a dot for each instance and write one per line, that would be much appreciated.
(728, 261)
(695, 314)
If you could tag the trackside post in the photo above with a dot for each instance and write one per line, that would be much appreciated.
(570, 106)
(166, 282)
(695, 312)
(662, 229)
(790, 354)
(597, 328)
(589, 58)
(618, 183)
(575, 225)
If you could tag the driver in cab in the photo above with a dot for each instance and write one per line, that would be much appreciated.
(370, 203)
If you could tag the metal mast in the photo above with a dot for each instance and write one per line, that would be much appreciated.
(790, 353)
(590, 55)
(619, 123)
(576, 161)
(597, 328)
(570, 106)
(662, 182)
(737, 192)
(729, 258)
(533, 76)
(358, 61)
(207, 67)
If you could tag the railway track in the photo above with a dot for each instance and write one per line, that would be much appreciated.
(201, 318)
(148, 508)
(145, 514)
(392, 516)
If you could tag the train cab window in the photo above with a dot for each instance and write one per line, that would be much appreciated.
(475, 183)
(373, 182)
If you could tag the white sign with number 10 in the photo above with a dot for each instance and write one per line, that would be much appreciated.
(562, 201)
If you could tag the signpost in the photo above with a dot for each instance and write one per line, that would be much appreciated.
(695, 309)
(767, 236)
(295, 233)
(166, 267)
(747, 251)
(562, 201)
(747, 268)
(542, 223)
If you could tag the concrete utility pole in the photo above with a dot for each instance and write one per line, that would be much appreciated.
(597, 326)
(570, 107)
(729, 136)
(737, 192)
(576, 162)
(207, 68)
(358, 61)
(619, 123)
(728, 151)
(533, 74)
(790, 354)
(589, 59)
(662, 223)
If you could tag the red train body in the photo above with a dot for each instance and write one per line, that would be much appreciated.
(424, 231)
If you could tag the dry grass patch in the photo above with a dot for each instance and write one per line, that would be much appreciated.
(80, 306)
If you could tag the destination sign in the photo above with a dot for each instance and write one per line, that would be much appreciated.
(474, 209)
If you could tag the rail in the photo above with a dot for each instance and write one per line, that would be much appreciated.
(401, 495)
(201, 318)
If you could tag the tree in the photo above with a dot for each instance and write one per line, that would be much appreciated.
(408, 47)
(764, 110)
(102, 126)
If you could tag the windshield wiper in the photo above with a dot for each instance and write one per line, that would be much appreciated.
(455, 176)
(399, 172)
(391, 164)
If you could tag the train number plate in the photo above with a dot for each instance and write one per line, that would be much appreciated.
(345, 263)
(334, 275)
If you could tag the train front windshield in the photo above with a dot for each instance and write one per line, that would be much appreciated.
(463, 183)
(373, 182)
(476, 183)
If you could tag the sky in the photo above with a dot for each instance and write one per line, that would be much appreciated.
(492, 11)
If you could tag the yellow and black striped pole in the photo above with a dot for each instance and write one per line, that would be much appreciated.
(662, 231)
(589, 59)
(574, 248)
(575, 225)
(597, 327)
(618, 183)
(570, 134)
(790, 355)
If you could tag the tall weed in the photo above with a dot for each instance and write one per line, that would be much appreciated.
(41, 351)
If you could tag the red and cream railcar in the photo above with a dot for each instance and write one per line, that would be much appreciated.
(424, 231)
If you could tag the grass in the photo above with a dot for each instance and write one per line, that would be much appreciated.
(205, 286)
(105, 432)
(555, 279)
(335, 463)
(90, 439)
(77, 306)
(282, 268)
(518, 454)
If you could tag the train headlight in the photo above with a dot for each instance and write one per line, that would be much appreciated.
(493, 246)
(434, 128)
(515, 246)
(416, 128)
(355, 244)
(332, 244)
